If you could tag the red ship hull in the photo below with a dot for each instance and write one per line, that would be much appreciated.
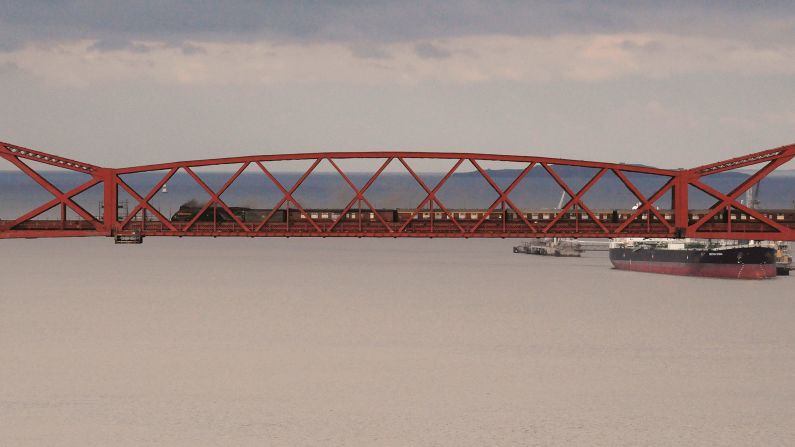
(738, 271)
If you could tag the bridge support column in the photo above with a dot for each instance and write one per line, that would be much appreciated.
(110, 216)
(681, 205)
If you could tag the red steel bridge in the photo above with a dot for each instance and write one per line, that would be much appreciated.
(429, 218)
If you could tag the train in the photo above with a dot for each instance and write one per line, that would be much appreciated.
(188, 212)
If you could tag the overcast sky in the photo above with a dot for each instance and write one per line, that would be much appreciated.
(134, 82)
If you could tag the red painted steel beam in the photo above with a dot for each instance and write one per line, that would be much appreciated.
(447, 226)
(143, 202)
(42, 234)
(52, 203)
(503, 196)
(359, 193)
(399, 154)
(52, 189)
(731, 198)
(681, 202)
(431, 197)
(746, 160)
(50, 159)
(574, 198)
(215, 197)
(396, 235)
(646, 204)
(288, 195)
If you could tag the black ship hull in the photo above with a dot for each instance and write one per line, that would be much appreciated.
(740, 262)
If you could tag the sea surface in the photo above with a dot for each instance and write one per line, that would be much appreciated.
(363, 342)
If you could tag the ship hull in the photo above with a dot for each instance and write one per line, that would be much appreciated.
(740, 263)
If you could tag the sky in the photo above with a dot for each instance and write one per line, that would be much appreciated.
(670, 84)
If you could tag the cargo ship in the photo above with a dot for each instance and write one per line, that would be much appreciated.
(717, 259)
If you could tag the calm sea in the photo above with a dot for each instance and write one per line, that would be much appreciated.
(319, 342)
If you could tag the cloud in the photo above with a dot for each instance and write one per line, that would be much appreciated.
(669, 117)
(8, 68)
(189, 49)
(781, 118)
(584, 58)
(587, 58)
(385, 21)
(649, 47)
(119, 45)
(428, 50)
(369, 51)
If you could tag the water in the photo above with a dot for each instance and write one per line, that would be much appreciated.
(250, 342)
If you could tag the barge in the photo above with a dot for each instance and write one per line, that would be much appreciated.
(551, 247)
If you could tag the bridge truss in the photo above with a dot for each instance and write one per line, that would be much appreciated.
(363, 217)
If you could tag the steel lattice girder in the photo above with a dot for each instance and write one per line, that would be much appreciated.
(645, 221)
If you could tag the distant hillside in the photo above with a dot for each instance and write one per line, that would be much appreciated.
(776, 173)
